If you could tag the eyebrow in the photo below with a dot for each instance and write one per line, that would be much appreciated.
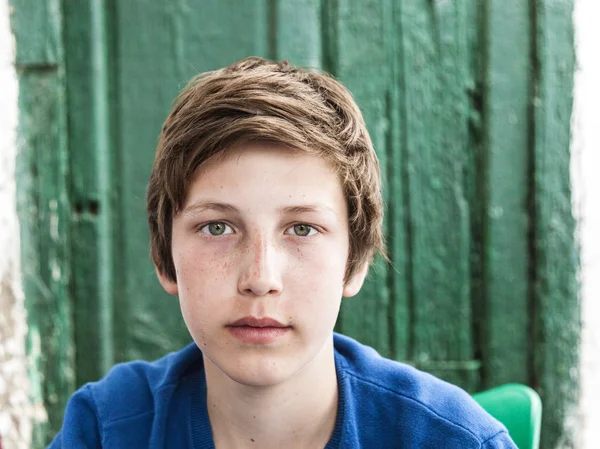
(201, 206)
(308, 208)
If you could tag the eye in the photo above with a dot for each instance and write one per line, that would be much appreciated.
(301, 230)
(216, 228)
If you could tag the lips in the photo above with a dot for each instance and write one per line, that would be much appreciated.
(257, 322)
(254, 330)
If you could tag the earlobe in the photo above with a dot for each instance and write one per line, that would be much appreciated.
(169, 285)
(354, 285)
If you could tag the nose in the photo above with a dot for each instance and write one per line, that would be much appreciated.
(261, 269)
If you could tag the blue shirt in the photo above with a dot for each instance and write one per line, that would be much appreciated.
(382, 404)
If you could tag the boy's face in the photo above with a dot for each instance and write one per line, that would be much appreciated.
(263, 235)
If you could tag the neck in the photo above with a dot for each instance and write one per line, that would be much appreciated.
(297, 413)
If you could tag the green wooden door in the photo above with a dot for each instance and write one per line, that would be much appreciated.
(468, 104)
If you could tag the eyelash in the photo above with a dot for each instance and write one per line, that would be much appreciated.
(311, 228)
(206, 225)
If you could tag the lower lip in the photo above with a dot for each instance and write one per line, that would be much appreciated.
(248, 334)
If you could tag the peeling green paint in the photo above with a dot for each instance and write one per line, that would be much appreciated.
(557, 312)
(43, 210)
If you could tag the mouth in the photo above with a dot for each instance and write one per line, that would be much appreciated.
(257, 322)
(254, 330)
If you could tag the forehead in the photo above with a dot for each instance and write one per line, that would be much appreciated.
(270, 174)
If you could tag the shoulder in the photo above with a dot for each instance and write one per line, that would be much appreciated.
(410, 402)
(131, 388)
(120, 409)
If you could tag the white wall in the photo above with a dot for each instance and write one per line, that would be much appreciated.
(15, 425)
(586, 189)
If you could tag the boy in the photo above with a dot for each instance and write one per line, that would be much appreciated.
(265, 209)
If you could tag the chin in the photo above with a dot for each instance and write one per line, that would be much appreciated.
(256, 381)
(265, 373)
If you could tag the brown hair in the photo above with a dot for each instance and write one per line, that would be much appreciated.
(256, 99)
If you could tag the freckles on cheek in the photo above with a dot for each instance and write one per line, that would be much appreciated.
(198, 271)
(191, 262)
(225, 265)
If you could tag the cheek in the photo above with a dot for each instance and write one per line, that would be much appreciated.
(203, 284)
(323, 260)
(197, 267)
(314, 280)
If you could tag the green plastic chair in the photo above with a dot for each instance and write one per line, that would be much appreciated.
(519, 408)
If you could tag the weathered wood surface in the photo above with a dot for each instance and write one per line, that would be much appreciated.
(43, 207)
(506, 180)
(556, 308)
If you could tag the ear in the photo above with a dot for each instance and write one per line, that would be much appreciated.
(169, 285)
(354, 285)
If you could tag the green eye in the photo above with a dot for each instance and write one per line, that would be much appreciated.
(302, 230)
(216, 228)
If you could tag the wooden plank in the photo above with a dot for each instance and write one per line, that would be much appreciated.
(42, 206)
(296, 32)
(37, 29)
(475, 176)
(397, 185)
(436, 66)
(362, 54)
(557, 310)
(150, 69)
(506, 169)
(91, 187)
